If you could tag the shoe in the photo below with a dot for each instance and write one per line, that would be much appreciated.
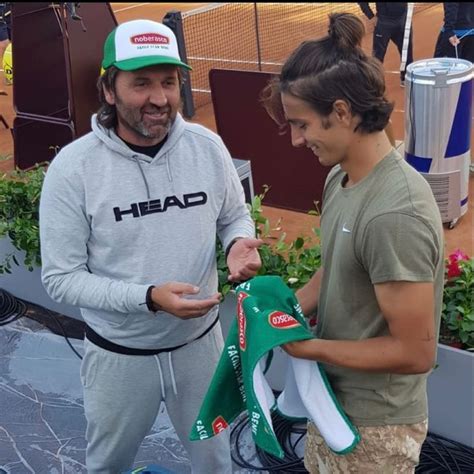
(402, 83)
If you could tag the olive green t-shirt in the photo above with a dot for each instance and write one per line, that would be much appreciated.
(387, 227)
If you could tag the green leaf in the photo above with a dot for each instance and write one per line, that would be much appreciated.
(299, 242)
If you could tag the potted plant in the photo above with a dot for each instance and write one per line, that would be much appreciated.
(20, 192)
(453, 377)
(295, 261)
(457, 323)
(19, 201)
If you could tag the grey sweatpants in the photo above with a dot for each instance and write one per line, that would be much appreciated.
(122, 397)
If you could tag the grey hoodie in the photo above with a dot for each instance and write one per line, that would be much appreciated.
(114, 221)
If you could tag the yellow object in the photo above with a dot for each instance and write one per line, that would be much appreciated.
(7, 64)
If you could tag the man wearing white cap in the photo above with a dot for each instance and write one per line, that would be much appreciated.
(128, 219)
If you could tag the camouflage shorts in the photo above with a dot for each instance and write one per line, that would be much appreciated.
(382, 450)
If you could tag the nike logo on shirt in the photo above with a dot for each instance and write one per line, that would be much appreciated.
(345, 229)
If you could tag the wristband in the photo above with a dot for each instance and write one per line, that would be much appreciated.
(151, 305)
(232, 242)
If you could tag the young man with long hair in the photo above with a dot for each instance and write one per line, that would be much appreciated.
(378, 293)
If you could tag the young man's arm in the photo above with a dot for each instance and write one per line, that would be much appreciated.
(410, 348)
(308, 296)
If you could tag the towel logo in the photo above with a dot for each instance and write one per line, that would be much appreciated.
(281, 320)
(255, 420)
(219, 424)
(201, 430)
(241, 320)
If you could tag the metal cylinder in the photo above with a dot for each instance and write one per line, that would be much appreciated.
(438, 118)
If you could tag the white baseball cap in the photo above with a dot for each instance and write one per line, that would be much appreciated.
(141, 43)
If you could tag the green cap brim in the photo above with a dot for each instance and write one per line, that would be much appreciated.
(146, 61)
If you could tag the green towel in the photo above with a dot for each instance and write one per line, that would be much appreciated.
(269, 315)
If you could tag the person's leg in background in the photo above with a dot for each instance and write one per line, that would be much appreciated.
(381, 38)
(466, 48)
(194, 366)
(397, 38)
(443, 47)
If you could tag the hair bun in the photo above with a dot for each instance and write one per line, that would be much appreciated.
(346, 30)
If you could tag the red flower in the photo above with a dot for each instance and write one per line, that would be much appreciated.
(453, 263)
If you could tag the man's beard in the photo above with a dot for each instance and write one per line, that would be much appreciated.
(147, 133)
(132, 119)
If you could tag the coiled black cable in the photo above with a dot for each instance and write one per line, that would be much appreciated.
(283, 429)
(64, 333)
(13, 308)
(438, 454)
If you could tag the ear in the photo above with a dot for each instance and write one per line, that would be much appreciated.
(109, 95)
(342, 111)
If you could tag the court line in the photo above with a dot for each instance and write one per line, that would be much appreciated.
(132, 6)
(239, 61)
(204, 9)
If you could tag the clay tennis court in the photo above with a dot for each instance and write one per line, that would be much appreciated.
(229, 33)
(219, 36)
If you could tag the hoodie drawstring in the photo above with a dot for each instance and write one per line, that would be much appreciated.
(143, 176)
(168, 168)
(173, 380)
(162, 383)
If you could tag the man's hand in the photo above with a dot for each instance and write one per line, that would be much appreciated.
(171, 298)
(243, 260)
(454, 40)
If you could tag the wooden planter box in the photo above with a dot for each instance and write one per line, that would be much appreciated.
(27, 285)
(451, 395)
